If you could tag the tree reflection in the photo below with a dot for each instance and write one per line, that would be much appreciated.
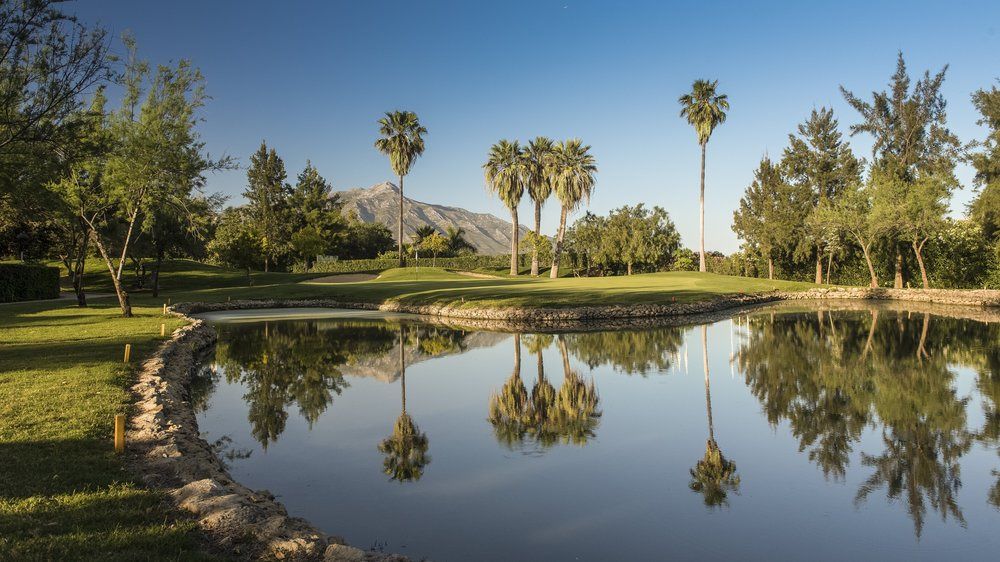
(714, 476)
(832, 375)
(628, 351)
(546, 417)
(406, 449)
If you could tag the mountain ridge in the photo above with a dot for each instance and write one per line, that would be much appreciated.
(489, 233)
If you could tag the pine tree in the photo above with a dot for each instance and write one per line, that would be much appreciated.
(268, 194)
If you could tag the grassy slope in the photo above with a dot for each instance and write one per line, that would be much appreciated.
(63, 494)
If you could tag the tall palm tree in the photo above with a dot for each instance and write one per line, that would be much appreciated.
(456, 240)
(573, 178)
(538, 166)
(704, 109)
(504, 170)
(402, 141)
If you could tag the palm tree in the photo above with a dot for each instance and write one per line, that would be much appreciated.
(505, 177)
(406, 449)
(402, 141)
(538, 160)
(573, 179)
(704, 110)
(423, 232)
(714, 476)
(456, 240)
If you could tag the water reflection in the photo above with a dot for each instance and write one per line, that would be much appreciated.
(629, 351)
(714, 476)
(831, 375)
(546, 417)
(406, 449)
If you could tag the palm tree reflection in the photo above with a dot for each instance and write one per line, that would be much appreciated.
(714, 476)
(547, 416)
(406, 449)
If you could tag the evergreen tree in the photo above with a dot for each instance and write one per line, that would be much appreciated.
(985, 209)
(770, 214)
(268, 195)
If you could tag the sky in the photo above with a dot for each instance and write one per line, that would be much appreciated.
(313, 78)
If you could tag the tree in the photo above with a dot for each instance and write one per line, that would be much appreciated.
(267, 195)
(180, 227)
(985, 208)
(365, 240)
(538, 177)
(573, 180)
(820, 163)
(537, 245)
(406, 449)
(237, 242)
(435, 244)
(402, 141)
(768, 213)
(154, 156)
(505, 174)
(318, 226)
(309, 242)
(48, 64)
(636, 235)
(705, 110)
(457, 243)
(423, 232)
(912, 145)
(850, 215)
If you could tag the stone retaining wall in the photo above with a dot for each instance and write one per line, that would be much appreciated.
(166, 448)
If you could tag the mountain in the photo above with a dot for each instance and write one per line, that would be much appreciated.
(380, 203)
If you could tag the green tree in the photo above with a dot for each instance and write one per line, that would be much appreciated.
(402, 141)
(537, 245)
(435, 244)
(237, 241)
(638, 236)
(267, 195)
(768, 215)
(820, 163)
(705, 110)
(985, 208)
(423, 232)
(538, 177)
(574, 171)
(505, 176)
(850, 216)
(913, 154)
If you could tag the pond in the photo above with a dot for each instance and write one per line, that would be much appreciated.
(865, 432)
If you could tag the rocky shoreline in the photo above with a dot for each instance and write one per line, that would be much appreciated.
(166, 447)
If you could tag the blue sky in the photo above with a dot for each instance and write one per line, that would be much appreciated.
(312, 78)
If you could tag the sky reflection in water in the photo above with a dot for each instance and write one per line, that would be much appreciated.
(820, 434)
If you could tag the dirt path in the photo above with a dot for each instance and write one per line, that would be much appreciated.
(477, 275)
(344, 278)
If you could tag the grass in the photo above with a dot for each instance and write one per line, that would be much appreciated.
(65, 495)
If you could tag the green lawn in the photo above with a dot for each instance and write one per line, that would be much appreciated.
(64, 494)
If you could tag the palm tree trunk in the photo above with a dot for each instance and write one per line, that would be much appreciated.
(708, 392)
(517, 354)
(701, 216)
(399, 238)
(513, 240)
(402, 368)
(565, 356)
(538, 232)
(557, 255)
(541, 366)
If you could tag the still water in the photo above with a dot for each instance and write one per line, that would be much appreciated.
(778, 434)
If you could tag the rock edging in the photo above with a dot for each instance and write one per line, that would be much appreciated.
(171, 455)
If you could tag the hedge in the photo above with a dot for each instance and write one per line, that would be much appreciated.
(461, 263)
(22, 282)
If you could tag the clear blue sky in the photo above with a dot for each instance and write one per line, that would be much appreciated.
(313, 77)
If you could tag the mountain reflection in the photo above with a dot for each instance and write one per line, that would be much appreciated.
(831, 375)
(546, 417)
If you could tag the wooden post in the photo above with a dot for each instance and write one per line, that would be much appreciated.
(128, 351)
(120, 433)
(163, 330)
(164, 309)
(168, 301)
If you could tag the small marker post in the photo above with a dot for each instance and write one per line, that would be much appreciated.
(163, 330)
(120, 433)
(164, 309)
(128, 352)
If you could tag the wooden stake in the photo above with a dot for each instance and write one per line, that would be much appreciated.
(163, 330)
(128, 351)
(120, 433)
(164, 309)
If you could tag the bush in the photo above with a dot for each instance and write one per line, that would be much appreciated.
(463, 263)
(22, 282)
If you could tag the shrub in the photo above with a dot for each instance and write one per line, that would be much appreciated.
(22, 282)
